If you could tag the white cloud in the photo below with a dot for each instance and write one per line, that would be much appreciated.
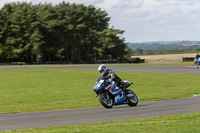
(147, 20)
(107, 4)
(3, 2)
(160, 20)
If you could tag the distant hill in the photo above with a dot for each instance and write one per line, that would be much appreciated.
(159, 45)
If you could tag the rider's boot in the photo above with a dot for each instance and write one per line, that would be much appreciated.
(125, 93)
(124, 89)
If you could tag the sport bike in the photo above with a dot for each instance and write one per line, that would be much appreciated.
(196, 63)
(110, 94)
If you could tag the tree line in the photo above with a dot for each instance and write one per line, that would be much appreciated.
(165, 45)
(164, 51)
(164, 48)
(67, 32)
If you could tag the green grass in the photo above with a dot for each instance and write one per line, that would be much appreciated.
(185, 123)
(172, 63)
(146, 64)
(42, 90)
(159, 64)
(45, 90)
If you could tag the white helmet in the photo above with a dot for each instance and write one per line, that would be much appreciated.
(102, 69)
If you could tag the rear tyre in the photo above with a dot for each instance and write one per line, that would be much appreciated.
(106, 100)
(132, 98)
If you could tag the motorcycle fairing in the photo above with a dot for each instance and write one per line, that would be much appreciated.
(117, 92)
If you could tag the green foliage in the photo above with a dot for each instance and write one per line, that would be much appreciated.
(164, 51)
(158, 48)
(111, 43)
(65, 32)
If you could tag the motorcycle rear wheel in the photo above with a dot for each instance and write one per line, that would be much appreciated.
(106, 100)
(132, 98)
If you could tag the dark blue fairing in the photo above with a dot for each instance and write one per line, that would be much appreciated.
(98, 87)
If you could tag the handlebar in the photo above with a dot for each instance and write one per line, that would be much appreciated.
(129, 84)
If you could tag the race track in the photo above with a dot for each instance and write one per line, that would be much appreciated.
(133, 68)
(90, 115)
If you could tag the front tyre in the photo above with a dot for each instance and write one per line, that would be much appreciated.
(132, 98)
(106, 100)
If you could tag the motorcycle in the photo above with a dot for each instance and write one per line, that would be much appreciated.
(110, 94)
(196, 62)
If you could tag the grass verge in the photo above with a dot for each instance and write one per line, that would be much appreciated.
(159, 64)
(185, 123)
(64, 65)
(45, 90)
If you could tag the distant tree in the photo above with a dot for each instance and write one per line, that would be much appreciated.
(129, 52)
(65, 32)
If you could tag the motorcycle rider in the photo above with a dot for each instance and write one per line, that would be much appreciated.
(109, 75)
(197, 56)
(197, 59)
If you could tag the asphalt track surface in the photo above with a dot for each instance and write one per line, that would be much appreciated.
(100, 114)
(136, 68)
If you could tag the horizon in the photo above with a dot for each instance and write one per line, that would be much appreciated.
(167, 41)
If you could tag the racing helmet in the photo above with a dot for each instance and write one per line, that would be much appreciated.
(102, 69)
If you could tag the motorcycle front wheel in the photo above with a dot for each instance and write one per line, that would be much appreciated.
(106, 100)
(132, 98)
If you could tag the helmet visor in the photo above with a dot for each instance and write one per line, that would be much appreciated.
(101, 72)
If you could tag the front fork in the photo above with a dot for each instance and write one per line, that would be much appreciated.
(107, 96)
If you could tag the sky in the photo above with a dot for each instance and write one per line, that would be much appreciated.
(146, 20)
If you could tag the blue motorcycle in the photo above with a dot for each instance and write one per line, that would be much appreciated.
(196, 62)
(109, 94)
